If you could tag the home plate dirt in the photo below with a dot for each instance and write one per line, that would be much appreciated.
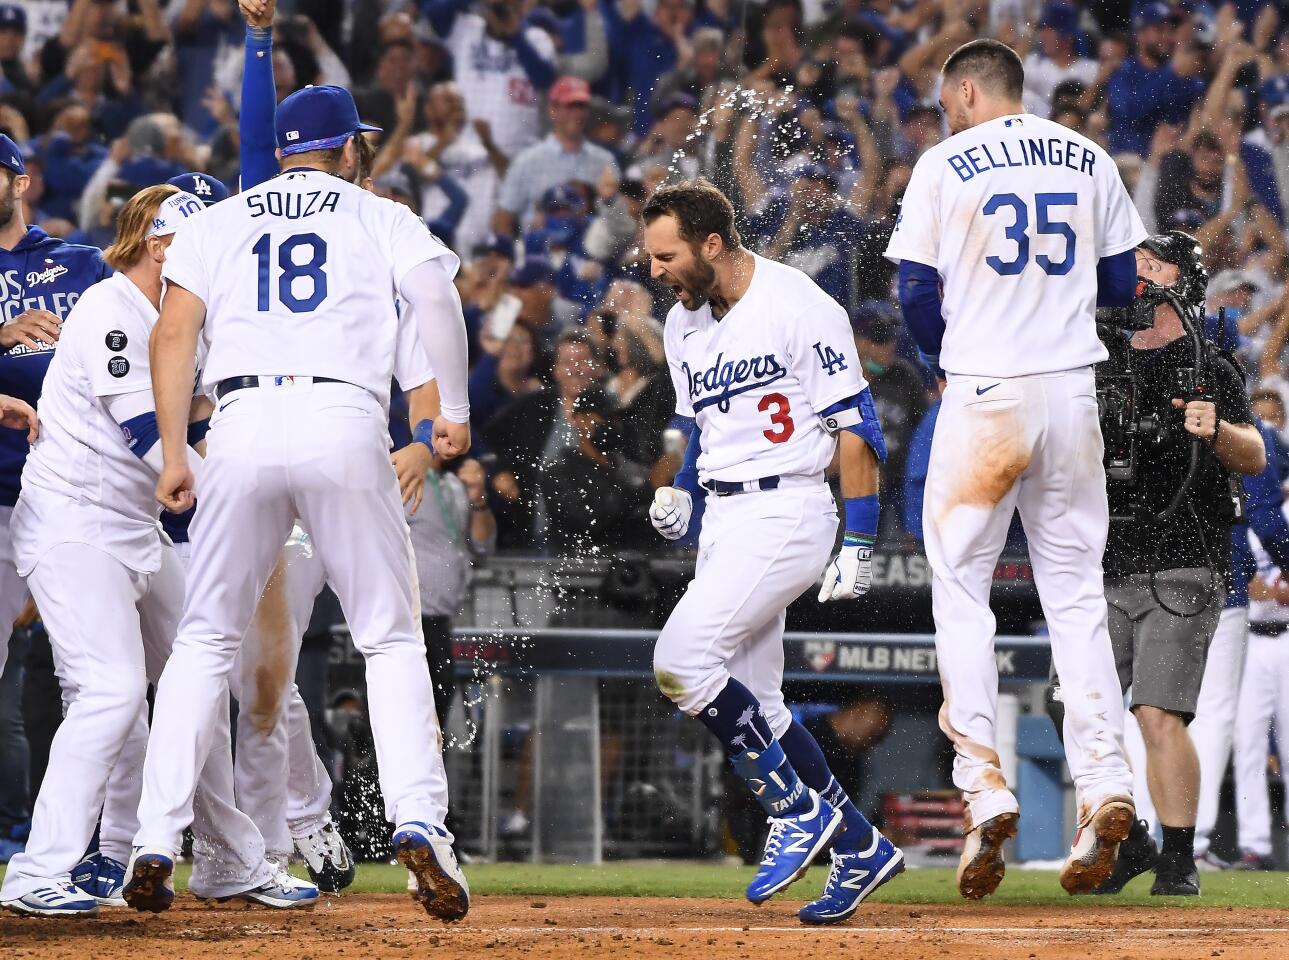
(537, 928)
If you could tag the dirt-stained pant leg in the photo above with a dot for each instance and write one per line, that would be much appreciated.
(1064, 509)
(1032, 443)
(978, 453)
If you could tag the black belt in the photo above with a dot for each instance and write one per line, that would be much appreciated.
(1268, 629)
(227, 386)
(726, 488)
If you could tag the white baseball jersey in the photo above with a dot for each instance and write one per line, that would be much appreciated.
(1266, 611)
(1014, 214)
(496, 86)
(82, 483)
(757, 379)
(299, 276)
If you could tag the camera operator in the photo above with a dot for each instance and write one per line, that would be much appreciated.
(1167, 559)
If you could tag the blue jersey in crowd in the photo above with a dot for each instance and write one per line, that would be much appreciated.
(40, 273)
(1265, 509)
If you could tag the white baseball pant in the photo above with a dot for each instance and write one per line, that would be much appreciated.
(13, 591)
(111, 628)
(757, 553)
(1213, 729)
(1264, 699)
(1034, 444)
(319, 452)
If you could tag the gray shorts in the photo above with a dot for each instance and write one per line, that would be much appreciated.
(1162, 656)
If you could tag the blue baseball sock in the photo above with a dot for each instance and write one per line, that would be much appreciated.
(808, 760)
(735, 718)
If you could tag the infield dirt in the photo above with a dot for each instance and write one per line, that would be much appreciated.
(544, 928)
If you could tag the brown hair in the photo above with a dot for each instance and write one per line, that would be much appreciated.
(992, 64)
(132, 226)
(700, 210)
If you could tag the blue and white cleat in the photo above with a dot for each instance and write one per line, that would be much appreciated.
(792, 845)
(852, 878)
(283, 892)
(150, 880)
(58, 898)
(441, 887)
(102, 878)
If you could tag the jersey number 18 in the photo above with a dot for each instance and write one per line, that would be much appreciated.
(313, 287)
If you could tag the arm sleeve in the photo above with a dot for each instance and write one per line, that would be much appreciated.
(536, 53)
(920, 301)
(429, 292)
(411, 363)
(687, 477)
(821, 354)
(1117, 279)
(255, 125)
(184, 265)
(1120, 224)
(917, 228)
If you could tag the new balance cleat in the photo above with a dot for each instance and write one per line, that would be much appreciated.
(102, 878)
(1096, 844)
(58, 898)
(327, 858)
(854, 875)
(981, 866)
(441, 887)
(150, 880)
(792, 845)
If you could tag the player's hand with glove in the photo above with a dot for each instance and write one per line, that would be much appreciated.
(670, 512)
(851, 572)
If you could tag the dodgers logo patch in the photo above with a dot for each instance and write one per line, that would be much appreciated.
(830, 359)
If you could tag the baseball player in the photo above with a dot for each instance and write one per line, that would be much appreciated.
(41, 278)
(108, 584)
(301, 354)
(763, 364)
(1011, 232)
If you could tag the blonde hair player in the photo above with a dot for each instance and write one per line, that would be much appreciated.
(106, 579)
(1025, 226)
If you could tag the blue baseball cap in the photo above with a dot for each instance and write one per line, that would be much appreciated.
(13, 17)
(202, 186)
(11, 156)
(1154, 13)
(534, 271)
(318, 118)
(1061, 17)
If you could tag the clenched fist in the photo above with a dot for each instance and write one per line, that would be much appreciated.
(670, 512)
(849, 575)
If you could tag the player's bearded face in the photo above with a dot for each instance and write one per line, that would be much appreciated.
(8, 197)
(694, 281)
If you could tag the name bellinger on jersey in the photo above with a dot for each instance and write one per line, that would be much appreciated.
(1009, 194)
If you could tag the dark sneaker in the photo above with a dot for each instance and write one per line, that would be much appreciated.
(1176, 878)
(1137, 854)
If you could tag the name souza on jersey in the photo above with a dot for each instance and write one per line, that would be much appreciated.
(292, 206)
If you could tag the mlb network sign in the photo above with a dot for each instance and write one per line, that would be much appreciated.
(826, 656)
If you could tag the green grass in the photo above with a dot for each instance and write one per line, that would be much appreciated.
(1035, 888)
(931, 886)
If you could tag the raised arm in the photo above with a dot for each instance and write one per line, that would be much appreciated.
(259, 96)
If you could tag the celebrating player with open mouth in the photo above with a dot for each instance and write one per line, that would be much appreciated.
(1028, 227)
(763, 364)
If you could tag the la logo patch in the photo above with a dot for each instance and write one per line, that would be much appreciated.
(830, 359)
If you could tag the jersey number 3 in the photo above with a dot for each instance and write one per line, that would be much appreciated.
(1016, 233)
(781, 417)
(300, 286)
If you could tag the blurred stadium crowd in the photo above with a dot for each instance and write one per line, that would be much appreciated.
(528, 134)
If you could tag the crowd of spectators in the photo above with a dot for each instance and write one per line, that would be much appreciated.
(528, 133)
